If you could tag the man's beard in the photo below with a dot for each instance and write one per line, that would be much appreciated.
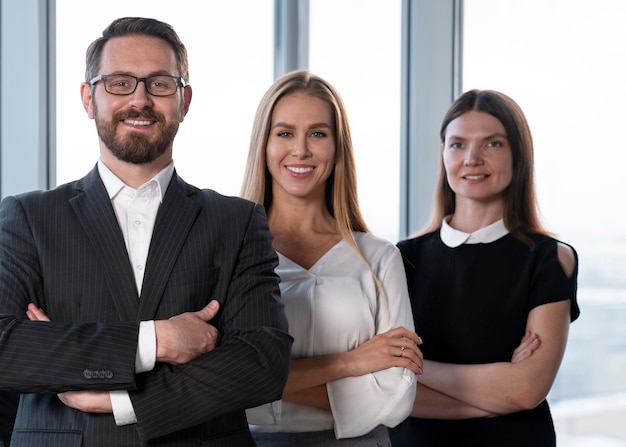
(134, 147)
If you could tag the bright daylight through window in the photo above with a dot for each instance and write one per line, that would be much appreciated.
(561, 60)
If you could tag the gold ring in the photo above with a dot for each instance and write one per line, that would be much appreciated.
(401, 350)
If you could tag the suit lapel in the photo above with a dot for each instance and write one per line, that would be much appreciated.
(95, 212)
(176, 216)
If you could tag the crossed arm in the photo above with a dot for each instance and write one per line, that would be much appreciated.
(445, 391)
(452, 391)
(308, 376)
(184, 337)
(433, 404)
(179, 339)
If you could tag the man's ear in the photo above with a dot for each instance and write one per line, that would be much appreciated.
(85, 93)
(187, 93)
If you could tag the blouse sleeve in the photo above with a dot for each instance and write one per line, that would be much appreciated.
(360, 404)
(549, 281)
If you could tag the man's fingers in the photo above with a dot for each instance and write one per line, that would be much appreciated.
(209, 311)
(34, 313)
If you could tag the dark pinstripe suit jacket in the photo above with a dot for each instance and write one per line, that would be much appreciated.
(63, 250)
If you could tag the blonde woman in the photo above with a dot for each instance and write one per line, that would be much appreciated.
(355, 353)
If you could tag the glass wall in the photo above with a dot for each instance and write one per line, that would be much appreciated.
(230, 46)
(563, 62)
(356, 46)
(560, 59)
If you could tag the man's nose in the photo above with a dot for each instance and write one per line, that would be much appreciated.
(140, 96)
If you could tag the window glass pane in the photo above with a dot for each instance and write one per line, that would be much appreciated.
(562, 61)
(356, 46)
(230, 46)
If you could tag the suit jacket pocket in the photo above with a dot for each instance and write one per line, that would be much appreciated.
(46, 438)
(194, 276)
(193, 288)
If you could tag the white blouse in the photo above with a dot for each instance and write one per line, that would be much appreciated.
(334, 307)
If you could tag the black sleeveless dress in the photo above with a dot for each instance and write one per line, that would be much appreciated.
(470, 305)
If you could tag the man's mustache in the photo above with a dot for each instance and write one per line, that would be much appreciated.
(146, 113)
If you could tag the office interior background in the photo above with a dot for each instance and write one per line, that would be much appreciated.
(398, 65)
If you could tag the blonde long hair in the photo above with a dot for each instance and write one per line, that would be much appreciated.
(341, 188)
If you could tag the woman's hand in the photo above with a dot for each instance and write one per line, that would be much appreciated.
(397, 347)
(516, 385)
(308, 376)
(529, 344)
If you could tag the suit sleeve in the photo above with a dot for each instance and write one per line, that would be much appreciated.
(51, 357)
(251, 364)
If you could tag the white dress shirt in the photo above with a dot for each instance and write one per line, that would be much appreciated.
(334, 307)
(136, 211)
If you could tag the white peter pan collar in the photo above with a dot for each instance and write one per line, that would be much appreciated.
(454, 238)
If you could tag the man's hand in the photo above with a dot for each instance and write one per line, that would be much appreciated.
(180, 339)
(184, 337)
(87, 401)
(35, 313)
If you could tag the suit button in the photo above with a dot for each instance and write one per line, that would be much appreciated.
(101, 374)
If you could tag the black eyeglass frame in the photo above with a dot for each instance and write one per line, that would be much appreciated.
(180, 82)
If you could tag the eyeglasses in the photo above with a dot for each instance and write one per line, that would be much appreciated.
(123, 84)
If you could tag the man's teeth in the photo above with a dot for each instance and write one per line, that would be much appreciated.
(299, 170)
(137, 122)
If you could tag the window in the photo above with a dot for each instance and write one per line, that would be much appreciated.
(230, 48)
(231, 65)
(364, 66)
(562, 61)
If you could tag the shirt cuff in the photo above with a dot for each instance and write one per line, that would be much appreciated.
(123, 410)
(146, 347)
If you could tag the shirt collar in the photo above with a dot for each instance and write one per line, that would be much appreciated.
(454, 238)
(114, 185)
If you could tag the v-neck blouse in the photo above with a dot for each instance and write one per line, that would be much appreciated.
(334, 307)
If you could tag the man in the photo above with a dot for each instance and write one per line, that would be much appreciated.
(126, 267)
